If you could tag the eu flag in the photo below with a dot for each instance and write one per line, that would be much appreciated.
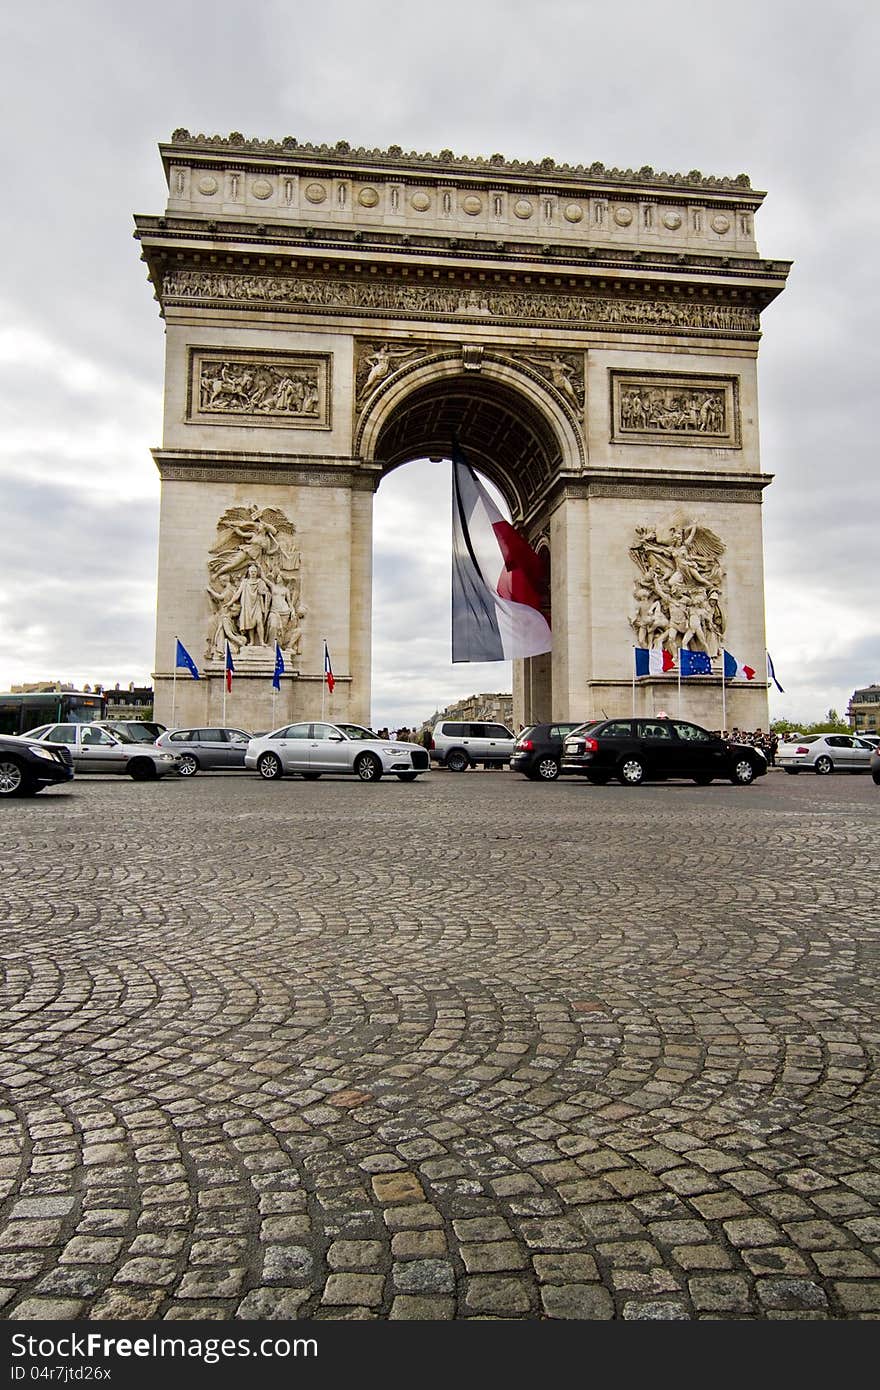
(694, 663)
(279, 667)
(183, 658)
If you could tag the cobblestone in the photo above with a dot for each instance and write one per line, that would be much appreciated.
(247, 1082)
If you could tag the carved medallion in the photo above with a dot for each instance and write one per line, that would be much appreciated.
(208, 185)
(720, 224)
(315, 192)
(472, 204)
(523, 208)
(261, 188)
(662, 408)
(254, 584)
(368, 197)
(672, 221)
(278, 389)
(420, 201)
(678, 594)
(573, 212)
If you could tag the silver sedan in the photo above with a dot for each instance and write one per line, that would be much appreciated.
(824, 753)
(94, 749)
(312, 749)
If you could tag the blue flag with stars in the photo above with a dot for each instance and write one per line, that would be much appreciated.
(183, 658)
(279, 667)
(694, 663)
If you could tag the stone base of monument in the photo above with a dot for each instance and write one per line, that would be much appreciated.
(252, 661)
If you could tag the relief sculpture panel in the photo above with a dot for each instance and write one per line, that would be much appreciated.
(254, 583)
(290, 390)
(678, 595)
(659, 408)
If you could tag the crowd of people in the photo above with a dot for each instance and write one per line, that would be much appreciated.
(764, 739)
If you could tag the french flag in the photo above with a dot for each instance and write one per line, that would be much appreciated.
(328, 670)
(653, 661)
(229, 668)
(735, 670)
(499, 585)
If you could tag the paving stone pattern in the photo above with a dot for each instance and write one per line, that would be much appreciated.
(473, 1047)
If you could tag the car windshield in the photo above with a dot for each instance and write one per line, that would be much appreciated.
(356, 732)
(136, 733)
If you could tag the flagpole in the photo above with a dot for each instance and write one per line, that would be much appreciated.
(634, 680)
(323, 676)
(225, 683)
(174, 682)
(723, 695)
(679, 682)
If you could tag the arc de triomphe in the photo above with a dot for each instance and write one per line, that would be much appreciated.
(589, 335)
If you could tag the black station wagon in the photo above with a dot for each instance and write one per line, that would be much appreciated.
(642, 750)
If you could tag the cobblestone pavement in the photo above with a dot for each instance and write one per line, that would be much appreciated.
(473, 1047)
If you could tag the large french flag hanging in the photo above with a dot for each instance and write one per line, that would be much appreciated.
(498, 584)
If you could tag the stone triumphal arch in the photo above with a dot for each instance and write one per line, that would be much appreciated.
(588, 335)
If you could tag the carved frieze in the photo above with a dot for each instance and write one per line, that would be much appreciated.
(663, 408)
(288, 390)
(678, 594)
(254, 583)
(434, 301)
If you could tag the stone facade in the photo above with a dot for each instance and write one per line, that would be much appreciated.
(591, 337)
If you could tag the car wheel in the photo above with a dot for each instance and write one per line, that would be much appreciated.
(632, 772)
(824, 766)
(14, 780)
(743, 773)
(368, 767)
(458, 761)
(704, 779)
(142, 770)
(269, 767)
(188, 765)
(407, 776)
(547, 769)
(598, 779)
(310, 776)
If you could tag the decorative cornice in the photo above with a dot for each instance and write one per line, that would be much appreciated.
(289, 470)
(344, 154)
(646, 486)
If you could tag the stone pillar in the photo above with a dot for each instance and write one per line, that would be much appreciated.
(570, 598)
(360, 641)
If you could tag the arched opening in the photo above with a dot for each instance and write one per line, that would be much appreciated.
(512, 444)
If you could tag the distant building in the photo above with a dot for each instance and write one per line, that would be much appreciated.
(864, 710)
(135, 702)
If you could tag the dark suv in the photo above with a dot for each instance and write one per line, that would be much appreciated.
(538, 750)
(641, 750)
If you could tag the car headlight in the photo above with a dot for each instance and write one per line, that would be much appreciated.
(398, 752)
(40, 751)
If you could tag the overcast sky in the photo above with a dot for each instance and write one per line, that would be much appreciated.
(785, 92)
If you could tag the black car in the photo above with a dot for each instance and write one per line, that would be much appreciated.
(26, 767)
(537, 752)
(641, 750)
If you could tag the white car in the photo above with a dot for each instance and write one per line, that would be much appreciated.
(94, 749)
(824, 753)
(460, 744)
(312, 749)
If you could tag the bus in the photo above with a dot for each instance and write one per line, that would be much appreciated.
(19, 713)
